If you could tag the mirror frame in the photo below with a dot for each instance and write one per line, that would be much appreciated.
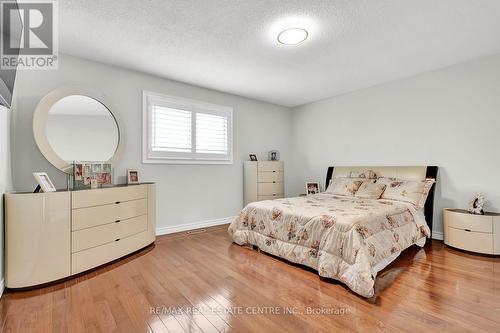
(40, 118)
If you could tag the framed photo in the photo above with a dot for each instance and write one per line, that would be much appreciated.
(132, 177)
(44, 181)
(312, 188)
(78, 171)
(253, 157)
(96, 167)
(273, 155)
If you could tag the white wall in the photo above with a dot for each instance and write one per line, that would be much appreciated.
(185, 193)
(5, 176)
(449, 118)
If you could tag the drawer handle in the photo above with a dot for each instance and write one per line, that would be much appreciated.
(274, 182)
(116, 240)
(274, 195)
(117, 221)
(468, 230)
(117, 202)
(274, 171)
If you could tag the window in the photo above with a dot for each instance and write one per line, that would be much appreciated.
(184, 131)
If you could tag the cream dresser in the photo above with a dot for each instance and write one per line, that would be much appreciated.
(50, 236)
(263, 180)
(476, 233)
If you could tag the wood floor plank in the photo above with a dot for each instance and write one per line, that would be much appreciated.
(205, 283)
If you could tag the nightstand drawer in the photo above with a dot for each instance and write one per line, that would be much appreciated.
(269, 197)
(269, 188)
(270, 166)
(469, 240)
(270, 177)
(465, 221)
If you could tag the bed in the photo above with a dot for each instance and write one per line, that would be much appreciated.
(344, 237)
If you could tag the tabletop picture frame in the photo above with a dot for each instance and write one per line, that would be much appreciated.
(44, 182)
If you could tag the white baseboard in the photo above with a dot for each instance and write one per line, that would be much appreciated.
(2, 287)
(192, 226)
(437, 235)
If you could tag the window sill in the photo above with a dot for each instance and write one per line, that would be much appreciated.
(185, 161)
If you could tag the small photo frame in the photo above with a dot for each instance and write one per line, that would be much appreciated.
(44, 182)
(78, 171)
(96, 167)
(253, 157)
(106, 167)
(312, 188)
(132, 177)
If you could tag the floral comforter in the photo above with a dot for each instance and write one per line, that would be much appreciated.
(342, 238)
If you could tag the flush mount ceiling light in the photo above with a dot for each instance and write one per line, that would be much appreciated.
(292, 36)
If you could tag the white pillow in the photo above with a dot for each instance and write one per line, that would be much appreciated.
(344, 186)
(365, 174)
(412, 191)
(369, 190)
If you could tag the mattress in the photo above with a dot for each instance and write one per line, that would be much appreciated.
(343, 238)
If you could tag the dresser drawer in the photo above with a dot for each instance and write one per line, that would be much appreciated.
(269, 197)
(469, 240)
(92, 237)
(270, 177)
(93, 216)
(459, 220)
(269, 188)
(269, 166)
(97, 197)
(96, 256)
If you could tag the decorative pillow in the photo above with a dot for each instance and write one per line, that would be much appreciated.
(366, 174)
(412, 191)
(369, 190)
(344, 186)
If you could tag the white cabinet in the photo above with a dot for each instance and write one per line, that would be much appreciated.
(263, 180)
(50, 236)
(476, 233)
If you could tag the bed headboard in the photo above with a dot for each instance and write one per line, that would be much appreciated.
(400, 172)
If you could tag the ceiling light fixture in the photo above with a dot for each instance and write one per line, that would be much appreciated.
(292, 36)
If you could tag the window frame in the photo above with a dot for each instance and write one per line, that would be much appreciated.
(149, 157)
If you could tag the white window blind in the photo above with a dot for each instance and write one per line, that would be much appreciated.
(178, 130)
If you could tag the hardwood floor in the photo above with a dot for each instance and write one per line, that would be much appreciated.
(436, 288)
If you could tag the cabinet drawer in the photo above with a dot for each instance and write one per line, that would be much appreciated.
(269, 197)
(270, 177)
(269, 188)
(96, 256)
(469, 240)
(97, 197)
(92, 237)
(99, 215)
(270, 166)
(458, 220)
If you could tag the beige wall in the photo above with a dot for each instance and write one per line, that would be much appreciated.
(186, 193)
(449, 118)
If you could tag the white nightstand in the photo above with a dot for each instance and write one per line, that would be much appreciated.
(476, 233)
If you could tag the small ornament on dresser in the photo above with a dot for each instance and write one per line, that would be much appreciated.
(273, 155)
(476, 204)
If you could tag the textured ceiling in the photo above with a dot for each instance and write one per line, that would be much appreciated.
(230, 45)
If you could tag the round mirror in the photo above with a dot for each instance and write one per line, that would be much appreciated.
(80, 128)
(70, 125)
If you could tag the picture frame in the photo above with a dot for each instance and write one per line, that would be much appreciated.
(273, 155)
(312, 188)
(132, 176)
(253, 157)
(44, 182)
